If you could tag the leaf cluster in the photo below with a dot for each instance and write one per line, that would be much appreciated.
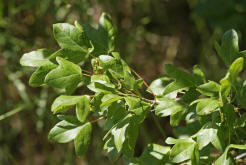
(214, 109)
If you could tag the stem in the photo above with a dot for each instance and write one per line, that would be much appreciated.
(145, 83)
(87, 71)
(86, 75)
(97, 119)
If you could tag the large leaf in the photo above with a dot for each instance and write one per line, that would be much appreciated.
(83, 138)
(206, 106)
(64, 132)
(182, 79)
(229, 47)
(229, 80)
(38, 77)
(113, 154)
(36, 58)
(154, 154)
(102, 38)
(158, 85)
(107, 29)
(71, 37)
(210, 133)
(225, 158)
(209, 89)
(67, 75)
(63, 102)
(137, 105)
(83, 108)
(168, 107)
(184, 149)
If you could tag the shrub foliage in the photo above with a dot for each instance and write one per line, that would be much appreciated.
(213, 111)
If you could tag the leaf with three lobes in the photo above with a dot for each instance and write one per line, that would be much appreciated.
(67, 76)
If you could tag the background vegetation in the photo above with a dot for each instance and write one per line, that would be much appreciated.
(150, 33)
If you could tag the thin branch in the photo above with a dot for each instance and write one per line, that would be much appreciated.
(97, 119)
(86, 75)
(145, 83)
(87, 71)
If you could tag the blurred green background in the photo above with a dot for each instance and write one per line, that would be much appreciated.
(150, 33)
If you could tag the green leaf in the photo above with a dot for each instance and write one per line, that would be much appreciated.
(182, 79)
(177, 117)
(154, 154)
(226, 159)
(168, 107)
(209, 89)
(158, 85)
(64, 132)
(113, 154)
(83, 138)
(119, 135)
(199, 75)
(38, 77)
(36, 58)
(210, 133)
(131, 137)
(101, 83)
(83, 108)
(108, 99)
(67, 75)
(63, 103)
(71, 37)
(69, 118)
(70, 55)
(242, 121)
(137, 105)
(229, 47)
(107, 29)
(102, 38)
(184, 149)
(230, 115)
(206, 106)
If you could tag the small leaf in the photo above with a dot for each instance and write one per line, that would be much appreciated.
(83, 139)
(64, 132)
(36, 58)
(67, 76)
